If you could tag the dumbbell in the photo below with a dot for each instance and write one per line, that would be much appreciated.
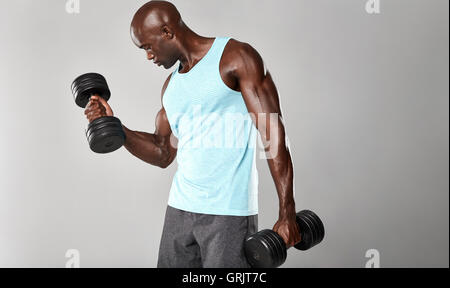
(104, 134)
(267, 249)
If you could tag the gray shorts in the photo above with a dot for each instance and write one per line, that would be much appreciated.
(191, 240)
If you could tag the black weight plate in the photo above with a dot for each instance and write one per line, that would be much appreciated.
(106, 142)
(103, 137)
(319, 224)
(315, 227)
(310, 222)
(257, 252)
(84, 86)
(106, 130)
(263, 236)
(281, 246)
(103, 122)
(274, 260)
(270, 237)
(315, 232)
(88, 77)
(88, 81)
(282, 250)
(83, 97)
(103, 127)
(100, 135)
(104, 119)
(306, 233)
(260, 254)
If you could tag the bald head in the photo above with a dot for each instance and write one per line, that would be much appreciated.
(153, 18)
(156, 28)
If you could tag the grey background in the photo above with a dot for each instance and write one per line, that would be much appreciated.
(365, 98)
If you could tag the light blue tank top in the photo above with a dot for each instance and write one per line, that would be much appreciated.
(216, 141)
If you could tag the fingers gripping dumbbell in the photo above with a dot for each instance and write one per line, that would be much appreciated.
(104, 134)
(266, 249)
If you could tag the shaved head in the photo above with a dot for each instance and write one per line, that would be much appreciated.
(153, 16)
(156, 28)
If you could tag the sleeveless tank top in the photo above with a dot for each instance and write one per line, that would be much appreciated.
(217, 138)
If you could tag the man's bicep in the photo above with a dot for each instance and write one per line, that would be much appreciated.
(162, 122)
(162, 126)
(165, 136)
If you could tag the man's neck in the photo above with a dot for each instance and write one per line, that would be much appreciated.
(194, 48)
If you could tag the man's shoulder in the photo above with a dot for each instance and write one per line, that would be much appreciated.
(237, 52)
(238, 47)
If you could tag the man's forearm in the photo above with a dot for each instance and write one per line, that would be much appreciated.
(150, 148)
(286, 194)
(283, 174)
(280, 164)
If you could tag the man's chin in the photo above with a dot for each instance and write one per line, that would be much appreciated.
(167, 66)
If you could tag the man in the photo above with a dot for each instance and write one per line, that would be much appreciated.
(213, 199)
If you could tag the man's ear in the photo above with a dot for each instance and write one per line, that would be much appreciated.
(166, 32)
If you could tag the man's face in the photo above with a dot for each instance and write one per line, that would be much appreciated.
(159, 49)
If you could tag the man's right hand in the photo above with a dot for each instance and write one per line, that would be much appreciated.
(96, 108)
